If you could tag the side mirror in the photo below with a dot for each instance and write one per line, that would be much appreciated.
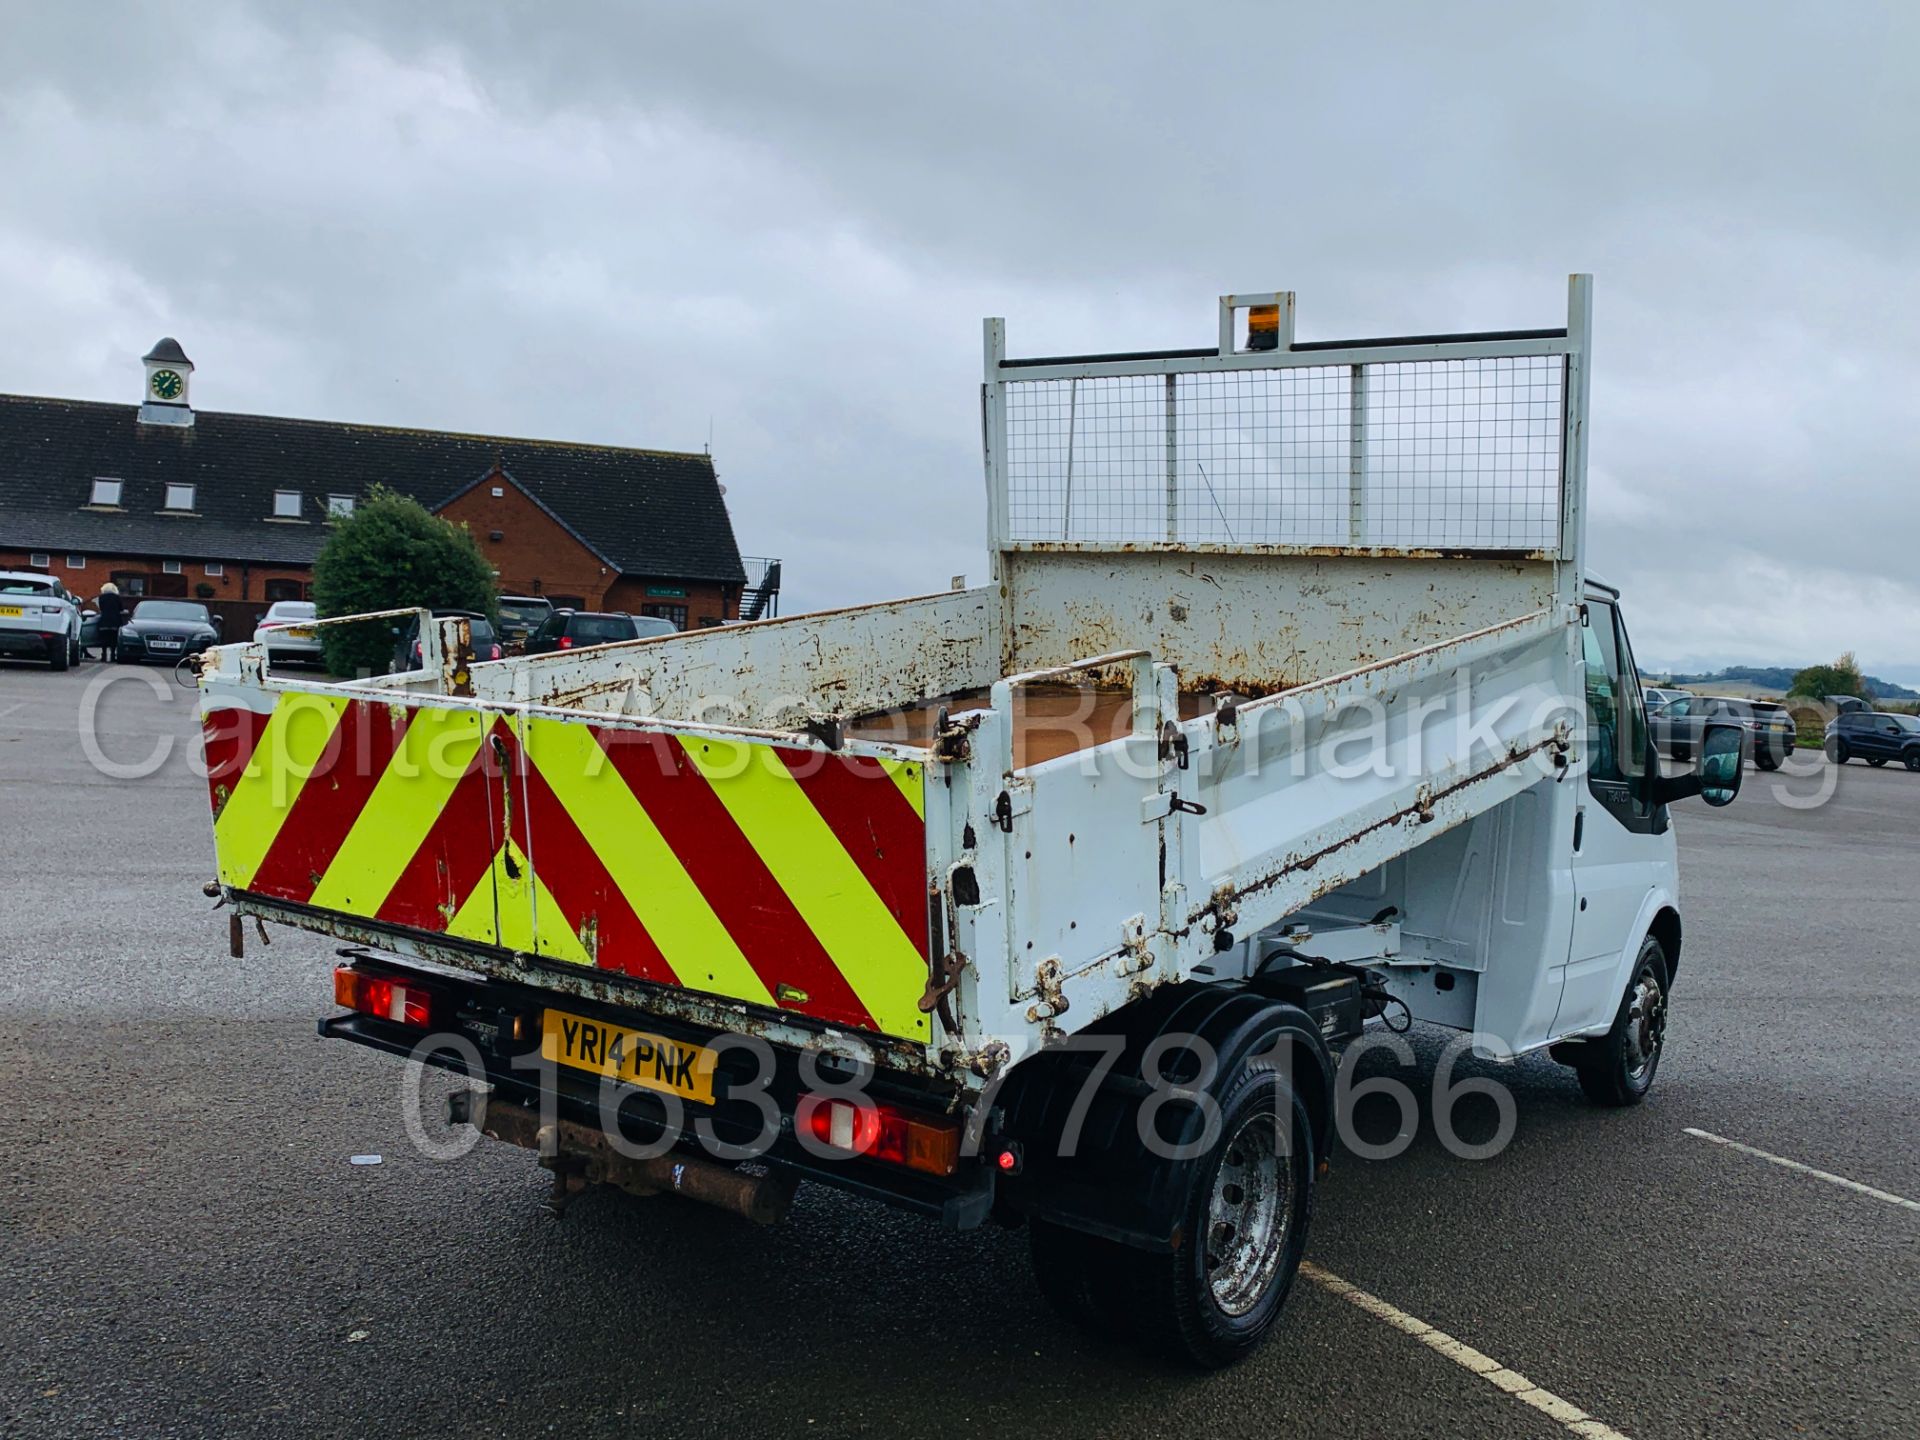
(1717, 770)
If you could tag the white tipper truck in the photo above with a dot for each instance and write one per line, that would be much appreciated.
(1290, 711)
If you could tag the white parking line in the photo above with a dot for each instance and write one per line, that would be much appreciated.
(1827, 1176)
(1564, 1412)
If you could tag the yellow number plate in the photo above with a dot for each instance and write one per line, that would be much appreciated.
(638, 1058)
(11, 612)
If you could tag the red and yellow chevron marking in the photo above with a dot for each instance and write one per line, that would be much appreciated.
(785, 877)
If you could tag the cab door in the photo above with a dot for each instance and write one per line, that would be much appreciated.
(1621, 848)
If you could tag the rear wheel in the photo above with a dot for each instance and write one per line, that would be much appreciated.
(1912, 758)
(1084, 1277)
(59, 656)
(1213, 1299)
(1837, 751)
(1765, 758)
(1618, 1069)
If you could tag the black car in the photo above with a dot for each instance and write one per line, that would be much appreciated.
(166, 630)
(1875, 737)
(577, 629)
(520, 616)
(407, 648)
(1770, 730)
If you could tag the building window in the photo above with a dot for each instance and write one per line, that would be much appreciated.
(105, 492)
(76, 562)
(283, 590)
(179, 497)
(286, 504)
(169, 567)
(40, 560)
(676, 613)
(340, 505)
(215, 569)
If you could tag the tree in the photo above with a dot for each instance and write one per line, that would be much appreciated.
(391, 552)
(1842, 677)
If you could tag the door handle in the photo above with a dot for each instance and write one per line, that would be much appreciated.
(1579, 828)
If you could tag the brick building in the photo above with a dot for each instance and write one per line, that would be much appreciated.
(164, 500)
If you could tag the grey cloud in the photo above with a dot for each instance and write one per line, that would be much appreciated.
(621, 223)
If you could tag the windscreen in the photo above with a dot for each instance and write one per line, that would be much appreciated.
(600, 629)
(170, 610)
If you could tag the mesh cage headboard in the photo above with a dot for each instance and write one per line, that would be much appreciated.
(1420, 443)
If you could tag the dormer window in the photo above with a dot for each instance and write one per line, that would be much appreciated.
(179, 497)
(339, 506)
(105, 492)
(286, 504)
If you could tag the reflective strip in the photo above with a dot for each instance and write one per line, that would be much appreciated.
(397, 818)
(293, 744)
(639, 861)
(821, 879)
(909, 777)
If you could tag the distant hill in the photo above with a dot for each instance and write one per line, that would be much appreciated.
(1779, 677)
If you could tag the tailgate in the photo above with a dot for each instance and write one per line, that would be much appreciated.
(783, 876)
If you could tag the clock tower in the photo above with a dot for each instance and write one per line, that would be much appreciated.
(164, 402)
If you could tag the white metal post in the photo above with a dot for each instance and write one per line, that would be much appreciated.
(1357, 456)
(993, 424)
(1571, 568)
(1173, 457)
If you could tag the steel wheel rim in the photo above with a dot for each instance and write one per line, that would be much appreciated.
(1646, 1026)
(1248, 1215)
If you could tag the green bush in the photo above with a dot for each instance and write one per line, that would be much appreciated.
(1842, 677)
(392, 552)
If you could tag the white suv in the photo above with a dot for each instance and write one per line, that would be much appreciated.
(38, 618)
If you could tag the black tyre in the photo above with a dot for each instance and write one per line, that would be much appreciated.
(1912, 757)
(1618, 1070)
(59, 654)
(75, 655)
(1876, 761)
(1085, 1278)
(1765, 759)
(1213, 1299)
(1837, 751)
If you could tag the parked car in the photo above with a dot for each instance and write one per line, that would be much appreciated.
(1875, 737)
(1770, 731)
(1659, 697)
(166, 630)
(272, 632)
(407, 648)
(577, 629)
(520, 616)
(38, 618)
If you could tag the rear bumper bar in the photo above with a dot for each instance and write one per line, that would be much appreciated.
(748, 1119)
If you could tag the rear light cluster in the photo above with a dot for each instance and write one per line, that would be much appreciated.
(402, 1002)
(566, 642)
(882, 1132)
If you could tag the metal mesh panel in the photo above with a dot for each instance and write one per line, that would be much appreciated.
(1447, 453)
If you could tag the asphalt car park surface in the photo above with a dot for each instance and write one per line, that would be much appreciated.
(185, 1247)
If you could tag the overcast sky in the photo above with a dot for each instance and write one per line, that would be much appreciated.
(635, 224)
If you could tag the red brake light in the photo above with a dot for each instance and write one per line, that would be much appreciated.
(496, 653)
(566, 642)
(882, 1132)
(385, 999)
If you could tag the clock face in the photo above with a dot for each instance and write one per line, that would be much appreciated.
(167, 384)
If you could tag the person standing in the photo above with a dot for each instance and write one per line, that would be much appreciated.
(112, 610)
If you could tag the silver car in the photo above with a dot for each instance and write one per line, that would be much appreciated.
(283, 644)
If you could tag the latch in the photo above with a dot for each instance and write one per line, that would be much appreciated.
(1163, 803)
(1173, 744)
(1003, 811)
